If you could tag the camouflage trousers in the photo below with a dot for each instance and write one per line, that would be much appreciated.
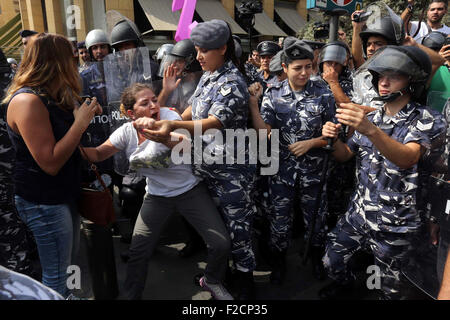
(340, 186)
(280, 217)
(237, 209)
(391, 251)
(14, 241)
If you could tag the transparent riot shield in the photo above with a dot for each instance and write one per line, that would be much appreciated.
(179, 98)
(123, 69)
(383, 17)
(425, 263)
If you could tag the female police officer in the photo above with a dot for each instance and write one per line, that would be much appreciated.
(297, 107)
(220, 103)
(392, 146)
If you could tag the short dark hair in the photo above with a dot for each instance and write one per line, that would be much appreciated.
(445, 2)
(27, 33)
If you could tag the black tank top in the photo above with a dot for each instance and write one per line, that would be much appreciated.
(30, 181)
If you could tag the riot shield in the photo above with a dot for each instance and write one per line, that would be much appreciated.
(179, 98)
(425, 264)
(383, 17)
(122, 69)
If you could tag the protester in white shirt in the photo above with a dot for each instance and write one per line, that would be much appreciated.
(436, 12)
(170, 188)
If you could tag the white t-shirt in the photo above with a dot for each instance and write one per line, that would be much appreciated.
(152, 160)
(425, 29)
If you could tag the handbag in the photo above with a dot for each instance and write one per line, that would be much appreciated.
(96, 205)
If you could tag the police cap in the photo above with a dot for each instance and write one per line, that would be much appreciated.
(211, 34)
(297, 49)
(267, 48)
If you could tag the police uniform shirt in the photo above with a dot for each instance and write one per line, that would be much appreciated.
(386, 195)
(224, 95)
(267, 83)
(299, 116)
(252, 73)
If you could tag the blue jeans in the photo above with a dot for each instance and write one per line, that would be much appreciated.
(56, 229)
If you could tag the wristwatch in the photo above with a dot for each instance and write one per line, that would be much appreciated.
(433, 219)
(410, 7)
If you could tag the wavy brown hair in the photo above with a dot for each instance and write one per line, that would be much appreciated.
(128, 99)
(48, 67)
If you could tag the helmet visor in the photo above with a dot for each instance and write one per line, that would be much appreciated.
(389, 59)
(334, 53)
(178, 62)
(382, 14)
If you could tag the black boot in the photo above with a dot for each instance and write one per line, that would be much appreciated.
(336, 291)
(244, 285)
(317, 264)
(278, 263)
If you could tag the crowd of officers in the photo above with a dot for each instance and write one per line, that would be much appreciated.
(367, 104)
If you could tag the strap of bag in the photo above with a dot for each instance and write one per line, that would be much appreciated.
(94, 168)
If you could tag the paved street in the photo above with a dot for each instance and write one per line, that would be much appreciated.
(171, 277)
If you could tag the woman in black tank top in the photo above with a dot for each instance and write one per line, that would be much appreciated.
(45, 125)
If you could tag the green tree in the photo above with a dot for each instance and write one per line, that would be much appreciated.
(307, 32)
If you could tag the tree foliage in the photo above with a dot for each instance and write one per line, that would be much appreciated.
(307, 32)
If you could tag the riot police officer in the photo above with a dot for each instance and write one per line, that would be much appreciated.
(391, 145)
(334, 71)
(125, 36)
(297, 107)
(370, 40)
(182, 77)
(93, 80)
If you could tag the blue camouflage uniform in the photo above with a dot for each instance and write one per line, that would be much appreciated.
(224, 95)
(16, 241)
(383, 214)
(252, 73)
(297, 118)
(266, 83)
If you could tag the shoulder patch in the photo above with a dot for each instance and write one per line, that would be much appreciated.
(225, 91)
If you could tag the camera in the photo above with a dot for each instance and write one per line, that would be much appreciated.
(321, 30)
(361, 16)
(447, 41)
(247, 11)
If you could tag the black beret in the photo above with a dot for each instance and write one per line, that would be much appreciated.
(210, 34)
(27, 33)
(298, 50)
(267, 48)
